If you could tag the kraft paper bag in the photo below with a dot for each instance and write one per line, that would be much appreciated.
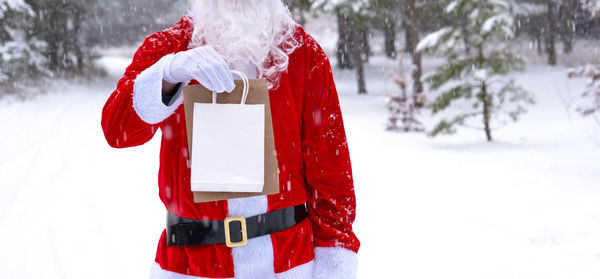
(196, 100)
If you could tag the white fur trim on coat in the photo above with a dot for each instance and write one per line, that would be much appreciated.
(147, 94)
(158, 273)
(335, 263)
(303, 271)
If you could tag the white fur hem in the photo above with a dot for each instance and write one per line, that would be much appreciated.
(303, 271)
(147, 94)
(158, 273)
(335, 263)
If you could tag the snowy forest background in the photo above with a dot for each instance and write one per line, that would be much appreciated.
(482, 41)
(511, 192)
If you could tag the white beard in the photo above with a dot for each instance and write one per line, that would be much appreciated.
(259, 32)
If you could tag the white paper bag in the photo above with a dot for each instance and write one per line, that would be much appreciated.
(228, 146)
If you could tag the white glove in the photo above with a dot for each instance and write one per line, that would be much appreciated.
(203, 64)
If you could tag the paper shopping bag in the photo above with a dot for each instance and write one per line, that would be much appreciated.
(228, 154)
(199, 100)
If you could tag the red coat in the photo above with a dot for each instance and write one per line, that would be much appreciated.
(311, 149)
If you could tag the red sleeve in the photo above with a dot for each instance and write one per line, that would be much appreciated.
(121, 124)
(331, 199)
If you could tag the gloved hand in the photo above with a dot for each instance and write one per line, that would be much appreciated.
(203, 64)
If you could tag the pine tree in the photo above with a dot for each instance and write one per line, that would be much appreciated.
(69, 31)
(475, 84)
(21, 59)
(591, 95)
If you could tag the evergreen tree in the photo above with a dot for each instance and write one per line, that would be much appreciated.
(591, 95)
(69, 30)
(21, 58)
(475, 83)
(41, 38)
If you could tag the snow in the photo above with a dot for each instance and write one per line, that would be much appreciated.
(593, 6)
(433, 39)
(61, 210)
(13, 5)
(496, 20)
(451, 7)
(456, 207)
(525, 206)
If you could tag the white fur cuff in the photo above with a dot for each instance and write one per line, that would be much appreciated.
(147, 94)
(335, 263)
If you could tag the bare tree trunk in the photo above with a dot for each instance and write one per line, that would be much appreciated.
(389, 32)
(407, 38)
(353, 43)
(52, 55)
(357, 55)
(413, 30)
(567, 24)
(550, 35)
(485, 99)
(486, 111)
(465, 35)
(77, 48)
(344, 40)
(364, 45)
(539, 43)
(360, 75)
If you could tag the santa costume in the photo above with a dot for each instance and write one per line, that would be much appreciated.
(310, 141)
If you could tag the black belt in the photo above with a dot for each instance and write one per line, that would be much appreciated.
(233, 231)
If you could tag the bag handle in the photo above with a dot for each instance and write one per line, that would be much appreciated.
(245, 91)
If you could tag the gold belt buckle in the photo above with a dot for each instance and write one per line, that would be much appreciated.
(244, 241)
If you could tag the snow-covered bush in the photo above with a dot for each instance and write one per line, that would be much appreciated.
(475, 83)
(403, 107)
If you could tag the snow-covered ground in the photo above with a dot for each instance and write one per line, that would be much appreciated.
(525, 206)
